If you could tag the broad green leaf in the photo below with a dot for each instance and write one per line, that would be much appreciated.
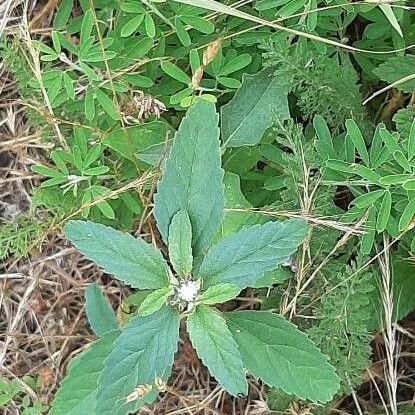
(407, 215)
(154, 301)
(384, 212)
(218, 294)
(77, 393)
(100, 314)
(198, 187)
(397, 68)
(367, 199)
(274, 350)
(217, 349)
(244, 257)
(258, 102)
(175, 72)
(353, 133)
(234, 199)
(139, 141)
(366, 173)
(144, 350)
(180, 243)
(131, 260)
(46, 171)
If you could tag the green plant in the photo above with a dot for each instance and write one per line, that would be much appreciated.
(12, 393)
(131, 365)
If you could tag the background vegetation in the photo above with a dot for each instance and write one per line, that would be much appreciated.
(316, 100)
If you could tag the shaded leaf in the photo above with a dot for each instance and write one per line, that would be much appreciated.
(258, 102)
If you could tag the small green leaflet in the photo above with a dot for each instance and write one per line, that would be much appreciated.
(274, 350)
(353, 132)
(131, 260)
(384, 212)
(218, 294)
(100, 314)
(407, 215)
(217, 349)
(245, 257)
(144, 350)
(154, 301)
(258, 102)
(198, 187)
(77, 393)
(180, 243)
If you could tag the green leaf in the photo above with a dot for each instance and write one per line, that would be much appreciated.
(239, 62)
(135, 142)
(392, 179)
(218, 294)
(368, 238)
(149, 26)
(131, 260)
(181, 33)
(154, 301)
(244, 257)
(353, 132)
(397, 68)
(200, 24)
(175, 72)
(132, 25)
(89, 104)
(407, 215)
(77, 393)
(390, 15)
(384, 212)
(258, 102)
(107, 104)
(324, 144)
(367, 199)
(411, 141)
(401, 159)
(274, 350)
(100, 314)
(198, 188)
(217, 349)
(180, 244)
(144, 350)
(62, 15)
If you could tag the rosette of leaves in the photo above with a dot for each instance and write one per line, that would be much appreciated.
(127, 367)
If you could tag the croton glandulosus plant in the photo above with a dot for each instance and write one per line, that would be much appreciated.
(127, 367)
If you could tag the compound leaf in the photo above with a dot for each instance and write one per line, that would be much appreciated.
(260, 99)
(218, 350)
(274, 350)
(100, 314)
(77, 393)
(244, 257)
(131, 260)
(193, 171)
(144, 350)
